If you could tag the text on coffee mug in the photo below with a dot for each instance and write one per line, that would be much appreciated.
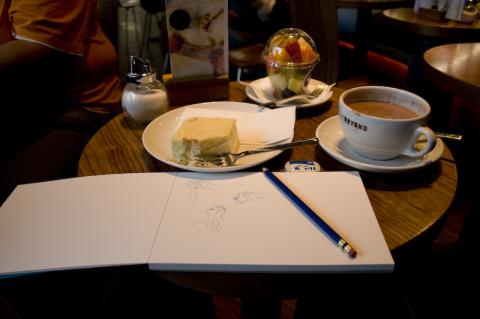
(354, 124)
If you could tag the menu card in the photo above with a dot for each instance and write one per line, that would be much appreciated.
(198, 38)
(189, 221)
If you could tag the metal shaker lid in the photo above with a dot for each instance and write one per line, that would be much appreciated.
(140, 70)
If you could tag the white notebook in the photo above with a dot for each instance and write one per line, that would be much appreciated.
(190, 222)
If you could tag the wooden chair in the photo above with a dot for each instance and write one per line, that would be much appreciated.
(246, 59)
(319, 20)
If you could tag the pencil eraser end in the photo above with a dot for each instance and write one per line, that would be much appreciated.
(352, 253)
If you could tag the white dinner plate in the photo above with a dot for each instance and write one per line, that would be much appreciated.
(333, 142)
(266, 89)
(157, 138)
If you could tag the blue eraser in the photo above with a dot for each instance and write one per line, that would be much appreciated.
(302, 166)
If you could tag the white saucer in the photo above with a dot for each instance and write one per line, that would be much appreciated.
(263, 85)
(333, 142)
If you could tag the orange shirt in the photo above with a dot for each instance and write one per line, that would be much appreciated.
(71, 27)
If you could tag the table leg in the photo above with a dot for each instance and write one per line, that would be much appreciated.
(261, 308)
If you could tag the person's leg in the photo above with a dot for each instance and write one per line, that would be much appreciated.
(83, 293)
(143, 294)
(7, 311)
(109, 292)
(92, 292)
(54, 154)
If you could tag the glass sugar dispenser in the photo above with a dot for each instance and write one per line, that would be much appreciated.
(144, 97)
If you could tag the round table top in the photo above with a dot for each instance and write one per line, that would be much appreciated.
(406, 20)
(455, 68)
(374, 4)
(406, 204)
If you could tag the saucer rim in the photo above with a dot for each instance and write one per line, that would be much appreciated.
(253, 97)
(428, 159)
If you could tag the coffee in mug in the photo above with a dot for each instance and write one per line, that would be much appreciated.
(382, 123)
(383, 109)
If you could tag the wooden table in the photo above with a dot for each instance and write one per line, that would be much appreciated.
(455, 68)
(407, 205)
(431, 33)
(364, 18)
(406, 20)
(373, 4)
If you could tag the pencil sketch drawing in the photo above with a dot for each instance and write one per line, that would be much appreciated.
(244, 197)
(196, 187)
(213, 222)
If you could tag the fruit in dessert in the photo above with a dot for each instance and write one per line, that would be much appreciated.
(290, 55)
(203, 137)
(293, 51)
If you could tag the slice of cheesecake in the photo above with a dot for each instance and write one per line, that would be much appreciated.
(202, 136)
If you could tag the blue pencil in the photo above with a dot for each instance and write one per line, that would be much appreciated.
(332, 234)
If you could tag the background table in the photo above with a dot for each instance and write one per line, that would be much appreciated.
(365, 9)
(407, 205)
(406, 20)
(430, 34)
(455, 68)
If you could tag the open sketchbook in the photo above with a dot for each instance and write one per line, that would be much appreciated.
(190, 221)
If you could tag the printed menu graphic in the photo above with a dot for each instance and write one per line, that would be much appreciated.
(197, 37)
(189, 222)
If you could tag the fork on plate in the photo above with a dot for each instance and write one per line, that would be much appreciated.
(305, 97)
(229, 159)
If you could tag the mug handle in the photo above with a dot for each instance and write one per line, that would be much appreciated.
(431, 142)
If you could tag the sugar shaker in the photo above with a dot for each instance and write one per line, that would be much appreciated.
(144, 96)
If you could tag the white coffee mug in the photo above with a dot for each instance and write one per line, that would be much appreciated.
(382, 138)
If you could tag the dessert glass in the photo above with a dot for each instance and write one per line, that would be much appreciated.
(290, 56)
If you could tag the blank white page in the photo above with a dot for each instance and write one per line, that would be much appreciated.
(82, 222)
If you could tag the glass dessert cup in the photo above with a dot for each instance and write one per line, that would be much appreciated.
(289, 81)
(290, 56)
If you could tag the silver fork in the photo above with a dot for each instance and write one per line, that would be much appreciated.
(229, 159)
(309, 96)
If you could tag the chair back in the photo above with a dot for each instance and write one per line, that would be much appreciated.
(319, 19)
